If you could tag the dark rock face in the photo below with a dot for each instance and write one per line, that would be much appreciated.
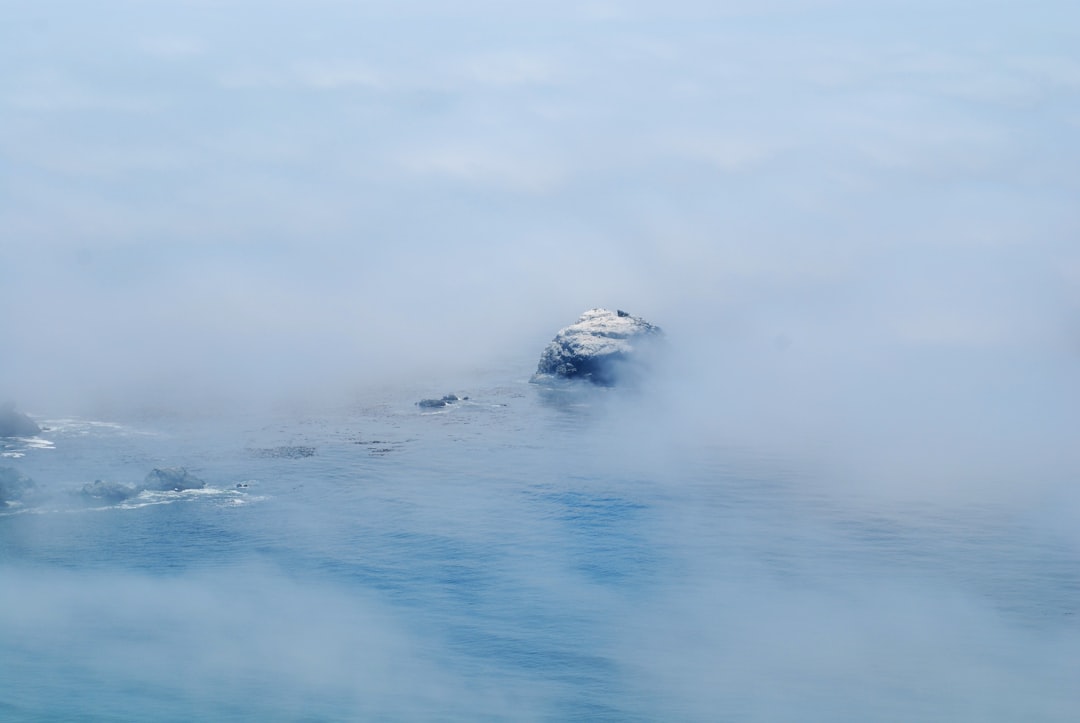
(15, 487)
(601, 348)
(109, 492)
(16, 424)
(172, 478)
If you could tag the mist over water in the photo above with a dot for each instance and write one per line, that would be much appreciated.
(528, 554)
(847, 491)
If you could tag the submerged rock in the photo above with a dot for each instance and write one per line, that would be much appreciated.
(284, 452)
(435, 403)
(112, 492)
(600, 348)
(172, 478)
(14, 423)
(16, 487)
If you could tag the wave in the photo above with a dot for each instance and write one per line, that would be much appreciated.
(16, 447)
(148, 498)
(74, 426)
(229, 497)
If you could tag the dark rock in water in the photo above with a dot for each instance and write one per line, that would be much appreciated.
(165, 479)
(435, 403)
(14, 423)
(284, 452)
(601, 347)
(381, 447)
(16, 487)
(172, 478)
(111, 492)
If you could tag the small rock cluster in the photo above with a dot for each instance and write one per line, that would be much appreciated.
(15, 487)
(164, 479)
(436, 403)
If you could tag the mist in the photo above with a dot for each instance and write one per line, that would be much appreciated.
(856, 224)
(260, 195)
(199, 640)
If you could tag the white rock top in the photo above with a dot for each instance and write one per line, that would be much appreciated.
(602, 331)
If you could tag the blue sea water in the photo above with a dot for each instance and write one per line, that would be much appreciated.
(526, 554)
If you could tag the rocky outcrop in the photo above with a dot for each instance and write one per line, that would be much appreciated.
(603, 347)
(436, 403)
(174, 479)
(14, 423)
(166, 479)
(108, 492)
(15, 487)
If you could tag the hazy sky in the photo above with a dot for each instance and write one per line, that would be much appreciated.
(840, 200)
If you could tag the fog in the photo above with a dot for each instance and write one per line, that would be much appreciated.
(265, 193)
(205, 638)
(852, 220)
(855, 222)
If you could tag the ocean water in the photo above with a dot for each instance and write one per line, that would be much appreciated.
(525, 554)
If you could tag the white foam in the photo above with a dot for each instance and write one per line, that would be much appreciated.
(11, 511)
(138, 505)
(148, 498)
(18, 446)
(83, 427)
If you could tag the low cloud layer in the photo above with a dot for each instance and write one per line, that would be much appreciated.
(854, 223)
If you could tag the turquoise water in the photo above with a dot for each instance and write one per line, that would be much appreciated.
(525, 554)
